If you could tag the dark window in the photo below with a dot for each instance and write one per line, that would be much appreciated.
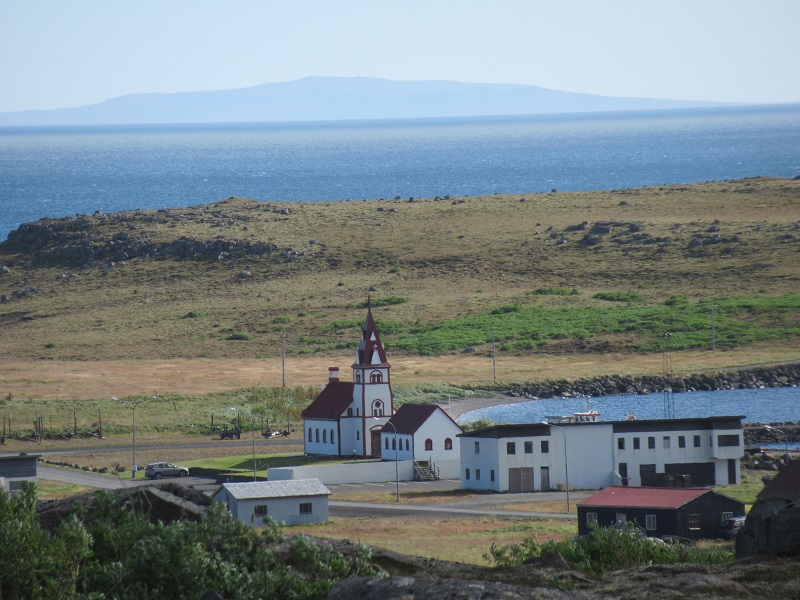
(316, 434)
(694, 521)
(310, 435)
(377, 408)
(448, 444)
(621, 443)
(511, 448)
(305, 508)
(491, 475)
(332, 440)
(358, 376)
(429, 444)
(681, 441)
(591, 517)
(376, 377)
(697, 441)
(477, 447)
(650, 522)
(728, 440)
(666, 441)
(635, 443)
(466, 474)
(477, 474)
(324, 436)
(394, 443)
(386, 445)
(646, 469)
(406, 445)
(545, 446)
(349, 412)
(651, 442)
(260, 510)
(528, 447)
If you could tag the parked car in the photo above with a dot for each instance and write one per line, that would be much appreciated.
(730, 527)
(162, 469)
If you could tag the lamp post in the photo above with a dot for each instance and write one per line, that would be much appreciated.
(253, 419)
(133, 404)
(396, 468)
(566, 463)
(779, 432)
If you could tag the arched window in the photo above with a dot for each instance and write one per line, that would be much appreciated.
(358, 434)
(406, 445)
(377, 408)
(358, 376)
(394, 444)
(376, 377)
(317, 435)
(429, 444)
(333, 441)
(324, 436)
(349, 412)
(387, 443)
(448, 444)
(310, 435)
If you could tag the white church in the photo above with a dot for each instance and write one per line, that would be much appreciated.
(348, 418)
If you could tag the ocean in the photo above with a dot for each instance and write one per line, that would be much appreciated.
(62, 171)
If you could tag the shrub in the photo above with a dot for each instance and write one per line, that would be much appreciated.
(240, 336)
(283, 319)
(619, 296)
(556, 291)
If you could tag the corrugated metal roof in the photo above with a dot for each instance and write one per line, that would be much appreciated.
(785, 485)
(617, 496)
(276, 489)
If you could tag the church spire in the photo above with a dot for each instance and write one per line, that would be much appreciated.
(370, 349)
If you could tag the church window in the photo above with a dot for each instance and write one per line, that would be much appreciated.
(387, 443)
(324, 436)
(317, 435)
(376, 377)
(358, 376)
(406, 445)
(349, 412)
(358, 434)
(332, 438)
(310, 435)
(429, 444)
(448, 444)
(394, 443)
(377, 408)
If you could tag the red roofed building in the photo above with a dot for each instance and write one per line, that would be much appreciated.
(347, 417)
(693, 513)
(421, 432)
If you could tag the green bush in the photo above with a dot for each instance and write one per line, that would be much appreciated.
(556, 292)
(240, 336)
(283, 319)
(619, 296)
(376, 302)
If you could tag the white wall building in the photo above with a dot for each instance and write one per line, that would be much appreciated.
(540, 457)
(421, 432)
(291, 502)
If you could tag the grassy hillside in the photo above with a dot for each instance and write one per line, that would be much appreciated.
(559, 272)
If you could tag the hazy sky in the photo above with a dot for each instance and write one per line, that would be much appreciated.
(58, 53)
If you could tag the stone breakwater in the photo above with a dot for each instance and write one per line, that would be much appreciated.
(611, 385)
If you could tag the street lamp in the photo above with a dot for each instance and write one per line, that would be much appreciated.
(566, 463)
(253, 418)
(133, 404)
(779, 432)
(396, 469)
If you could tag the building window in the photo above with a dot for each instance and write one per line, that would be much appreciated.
(528, 447)
(324, 436)
(591, 517)
(349, 412)
(332, 440)
(358, 376)
(650, 522)
(428, 445)
(545, 446)
(376, 377)
(681, 441)
(635, 443)
(697, 441)
(358, 434)
(728, 440)
(621, 443)
(511, 448)
(477, 447)
(260, 510)
(694, 522)
(448, 444)
(491, 475)
(466, 474)
(310, 435)
(377, 408)
(477, 474)
(305, 508)
(620, 518)
(666, 441)
(386, 445)
(651, 442)
(316, 435)
(394, 443)
(726, 516)
(406, 445)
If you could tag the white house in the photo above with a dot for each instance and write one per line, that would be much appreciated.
(290, 502)
(421, 432)
(15, 470)
(347, 417)
(592, 455)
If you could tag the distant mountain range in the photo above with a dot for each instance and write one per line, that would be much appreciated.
(337, 98)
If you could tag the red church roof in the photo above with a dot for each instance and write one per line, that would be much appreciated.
(370, 345)
(617, 496)
(331, 402)
(410, 417)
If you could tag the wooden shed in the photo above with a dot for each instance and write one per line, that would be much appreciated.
(693, 513)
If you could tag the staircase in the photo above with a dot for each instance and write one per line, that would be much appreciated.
(425, 471)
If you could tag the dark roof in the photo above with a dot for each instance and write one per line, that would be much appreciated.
(504, 431)
(331, 402)
(785, 485)
(369, 345)
(410, 417)
(617, 496)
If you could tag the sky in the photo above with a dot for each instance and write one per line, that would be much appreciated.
(57, 53)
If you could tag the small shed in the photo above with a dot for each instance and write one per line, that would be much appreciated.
(290, 502)
(15, 470)
(693, 513)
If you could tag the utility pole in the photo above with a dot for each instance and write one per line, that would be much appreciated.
(494, 358)
(713, 331)
(283, 357)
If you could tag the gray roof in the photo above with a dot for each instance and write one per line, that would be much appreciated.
(276, 489)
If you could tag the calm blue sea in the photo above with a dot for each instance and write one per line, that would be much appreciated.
(765, 405)
(58, 171)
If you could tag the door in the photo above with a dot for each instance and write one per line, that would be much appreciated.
(731, 471)
(375, 440)
(520, 479)
(544, 475)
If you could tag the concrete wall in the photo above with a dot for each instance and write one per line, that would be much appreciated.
(361, 472)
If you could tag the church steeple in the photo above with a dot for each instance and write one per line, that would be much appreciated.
(370, 350)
